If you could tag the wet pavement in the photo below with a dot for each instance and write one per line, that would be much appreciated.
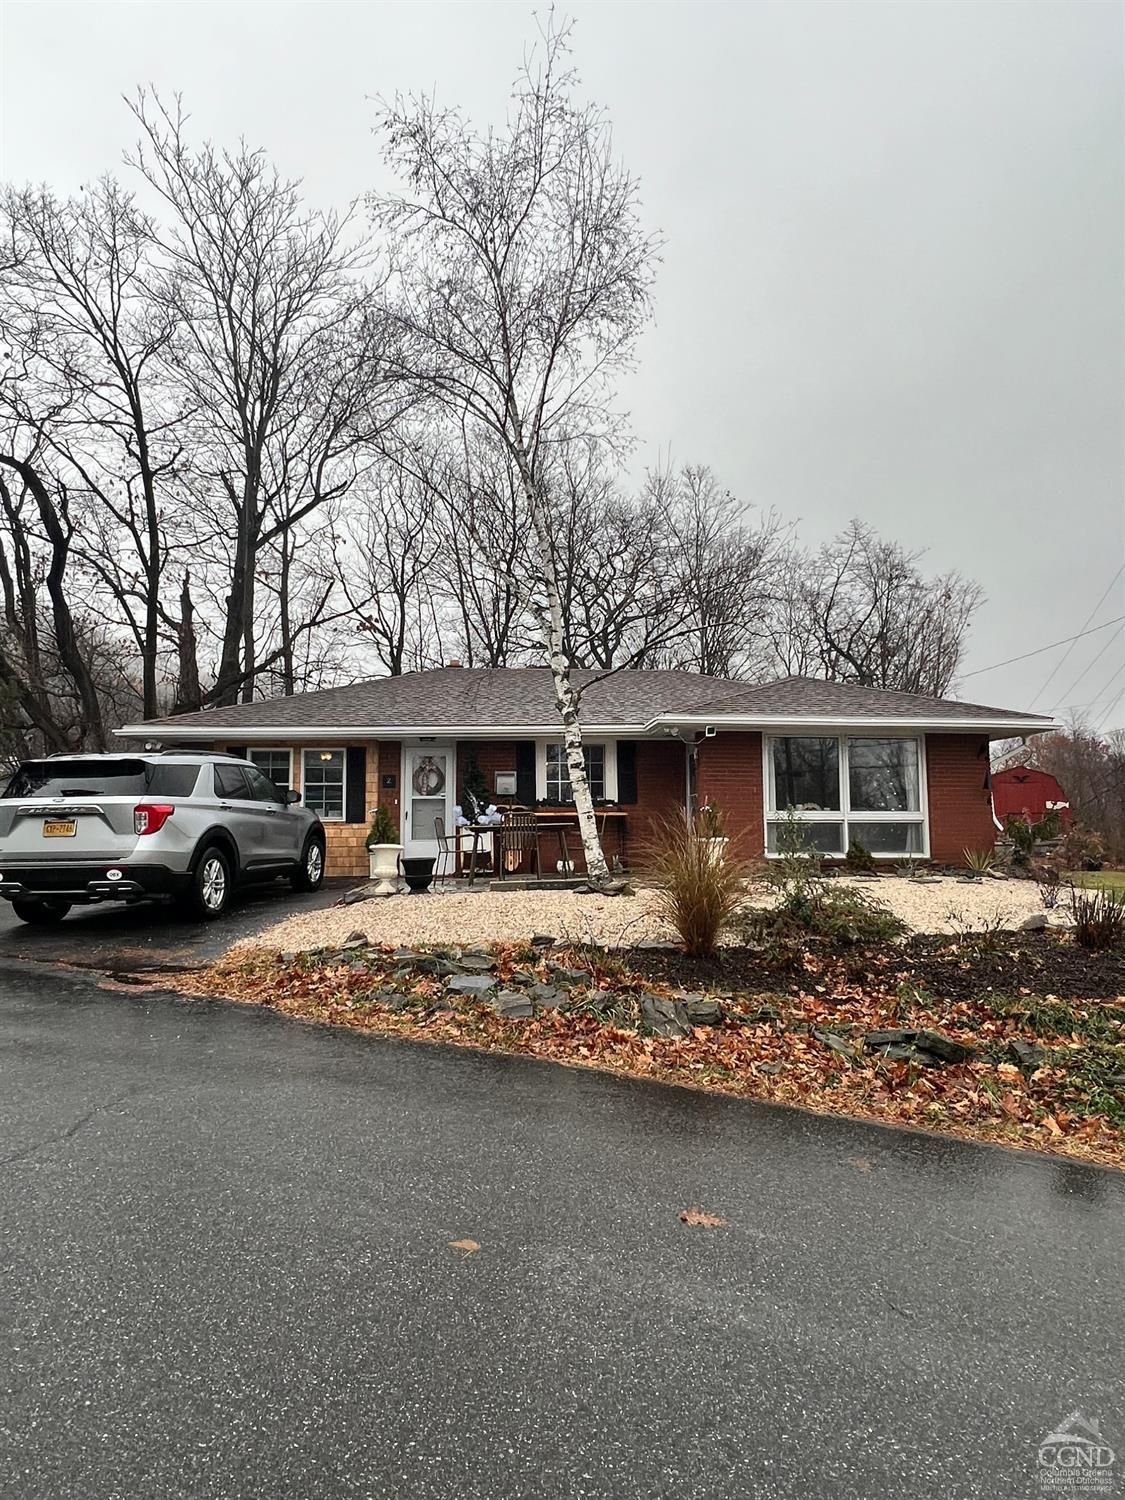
(227, 1272)
(155, 936)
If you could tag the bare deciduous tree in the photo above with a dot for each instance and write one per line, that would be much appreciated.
(90, 336)
(263, 297)
(861, 610)
(43, 667)
(524, 282)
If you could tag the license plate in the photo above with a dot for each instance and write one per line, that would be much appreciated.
(60, 828)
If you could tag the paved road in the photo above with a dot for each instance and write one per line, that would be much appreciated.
(122, 939)
(227, 1273)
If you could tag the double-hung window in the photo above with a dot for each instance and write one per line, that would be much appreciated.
(847, 788)
(553, 776)
(275, 765)
(322, 783)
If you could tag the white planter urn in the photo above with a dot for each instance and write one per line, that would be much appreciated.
(716, 849)
(382, 861)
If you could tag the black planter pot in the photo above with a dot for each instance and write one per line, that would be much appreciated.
(418, 874)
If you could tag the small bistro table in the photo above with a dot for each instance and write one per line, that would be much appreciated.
(475, 840)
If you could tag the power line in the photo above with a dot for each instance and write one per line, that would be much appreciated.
(1106, 644)
(1111, 707)
(1062, 659)
(1040, 650)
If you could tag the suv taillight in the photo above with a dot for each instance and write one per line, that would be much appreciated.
(150, 817)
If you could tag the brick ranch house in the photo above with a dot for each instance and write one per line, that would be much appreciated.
(902, 773)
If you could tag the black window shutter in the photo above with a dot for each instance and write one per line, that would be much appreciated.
(356, 809)
(525, 772)
(627, 771)
(239, 750)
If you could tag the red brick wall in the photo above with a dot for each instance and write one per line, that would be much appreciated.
(729, 775)
(960, 805)
(390, 764)
(661, 786)
(492, 756)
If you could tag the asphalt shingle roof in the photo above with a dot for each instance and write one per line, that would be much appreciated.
(486, 698)
(805, 697)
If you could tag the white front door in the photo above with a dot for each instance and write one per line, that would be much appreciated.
(428, 776)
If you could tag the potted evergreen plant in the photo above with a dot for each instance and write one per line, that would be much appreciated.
(383, 850)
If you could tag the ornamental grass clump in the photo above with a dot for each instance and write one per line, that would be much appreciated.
(700, 876)
(1099, 917)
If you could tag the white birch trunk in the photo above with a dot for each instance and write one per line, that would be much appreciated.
(566, 698)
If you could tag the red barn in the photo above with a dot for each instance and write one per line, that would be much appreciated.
(1026, 792)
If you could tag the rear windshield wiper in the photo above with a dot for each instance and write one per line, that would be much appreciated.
(79, 791)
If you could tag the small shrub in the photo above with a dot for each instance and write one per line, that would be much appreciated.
(984, 937)
(797, 865)
(1099, 917)
(383, 829)
(833, 913)
(978, 862)
(1022, 835)
(1049, 878)
(859, 859)
(700, 885)
(1083, 849)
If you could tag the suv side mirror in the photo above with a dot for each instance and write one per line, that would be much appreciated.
(291, 797)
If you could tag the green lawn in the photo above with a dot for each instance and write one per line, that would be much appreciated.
(1113, 880)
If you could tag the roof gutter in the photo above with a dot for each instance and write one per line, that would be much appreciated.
(793, 722)
(666, 723)
(316, 734)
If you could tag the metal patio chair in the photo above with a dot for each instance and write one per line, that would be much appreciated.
(522, 833)
(447, 852)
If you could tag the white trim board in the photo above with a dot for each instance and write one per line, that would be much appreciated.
(669, 723)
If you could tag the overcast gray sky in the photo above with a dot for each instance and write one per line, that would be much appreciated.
(894, 282)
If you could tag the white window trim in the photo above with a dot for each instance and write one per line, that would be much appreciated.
(273, 750)
(610, 748)
(844, 813)
(320, 750)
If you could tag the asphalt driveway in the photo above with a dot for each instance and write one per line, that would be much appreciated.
(227, 1272)
(154, 936)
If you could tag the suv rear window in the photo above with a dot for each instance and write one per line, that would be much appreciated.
(126, 777)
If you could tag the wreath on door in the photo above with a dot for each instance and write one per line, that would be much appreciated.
(429, 778)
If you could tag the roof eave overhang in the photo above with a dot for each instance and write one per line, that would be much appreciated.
(316, 734)
(662, 724)
(1009, 728)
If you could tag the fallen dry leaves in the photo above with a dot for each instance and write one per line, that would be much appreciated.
(769, 1051)
(700, 1220)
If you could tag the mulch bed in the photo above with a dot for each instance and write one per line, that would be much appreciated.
(1043, 963)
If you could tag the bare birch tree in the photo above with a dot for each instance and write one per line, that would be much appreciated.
(524, 282)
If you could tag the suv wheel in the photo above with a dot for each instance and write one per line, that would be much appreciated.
(41, 913)
(309, 872)
(211, 884)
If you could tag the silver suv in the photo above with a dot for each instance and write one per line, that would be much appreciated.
(76, 829)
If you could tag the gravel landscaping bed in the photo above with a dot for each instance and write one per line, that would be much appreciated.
(946, 905)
